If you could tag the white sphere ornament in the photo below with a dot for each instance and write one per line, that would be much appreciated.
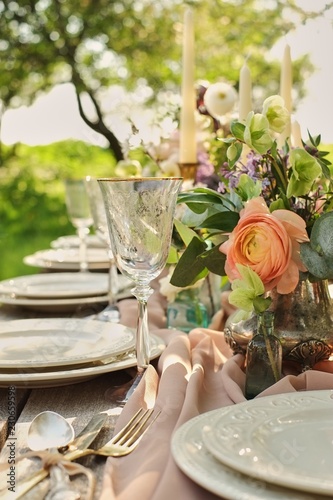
(220, 99)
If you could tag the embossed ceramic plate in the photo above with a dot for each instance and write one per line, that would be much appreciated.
(35, 343)
(284, 439)
(70, 241)
(58, 305)
(68, 259)
(193, 458)
(75, 375)
(56, 285)
(60, 285)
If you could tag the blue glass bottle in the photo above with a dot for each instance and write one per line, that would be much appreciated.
(187, 311)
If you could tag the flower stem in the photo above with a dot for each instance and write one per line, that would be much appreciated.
(271, 356)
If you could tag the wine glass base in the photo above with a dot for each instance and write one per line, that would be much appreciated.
(110, 314)
(119, 395)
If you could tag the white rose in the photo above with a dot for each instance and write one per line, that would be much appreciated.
(219, 99)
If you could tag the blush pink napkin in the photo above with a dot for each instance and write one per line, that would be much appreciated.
(196, 373)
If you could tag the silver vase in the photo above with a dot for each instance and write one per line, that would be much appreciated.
(303, 323)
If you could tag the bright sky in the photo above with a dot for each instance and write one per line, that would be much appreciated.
(55, 116)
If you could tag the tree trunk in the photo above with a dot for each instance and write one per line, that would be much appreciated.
(99, 126)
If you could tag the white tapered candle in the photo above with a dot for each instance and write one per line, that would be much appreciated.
(286, 83)
(187, 146)
(296, 136)
(245, 92)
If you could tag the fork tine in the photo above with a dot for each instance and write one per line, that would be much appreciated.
(136, 428)
(123, 431)
(135, 438)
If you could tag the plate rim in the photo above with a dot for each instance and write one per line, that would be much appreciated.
(92, 241)
(37, 260)
(79, 323)
(55, 303)
(283, 479)
(7, 289)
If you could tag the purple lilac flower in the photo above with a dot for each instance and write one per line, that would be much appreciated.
(206, 172)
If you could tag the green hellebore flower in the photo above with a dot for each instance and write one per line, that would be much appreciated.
(246, 289)
(256, 133)
(305, 170)
(275, 112)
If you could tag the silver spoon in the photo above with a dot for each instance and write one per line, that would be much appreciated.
(49, 430)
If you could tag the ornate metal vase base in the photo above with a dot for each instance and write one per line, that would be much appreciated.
(303, 323)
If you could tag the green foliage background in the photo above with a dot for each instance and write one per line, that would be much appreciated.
(32, 198)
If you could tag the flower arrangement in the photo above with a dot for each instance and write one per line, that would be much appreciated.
(270, 220)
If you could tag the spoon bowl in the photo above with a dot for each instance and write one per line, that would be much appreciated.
(49, 430)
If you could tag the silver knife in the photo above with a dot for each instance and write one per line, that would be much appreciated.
(81, 442)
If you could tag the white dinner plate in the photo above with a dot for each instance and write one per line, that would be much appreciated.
(47, 342)
(71, 241)
(74, 376)
(58, 305)
(56, 285)
(284, 439)
(193, 458)
(68, 259)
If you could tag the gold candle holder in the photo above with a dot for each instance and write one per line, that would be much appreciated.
(188, 171)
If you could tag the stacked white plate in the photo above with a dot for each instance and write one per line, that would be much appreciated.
(59, 291)
(272, 448)
(72, 241)
(67, 259)
(59, 351)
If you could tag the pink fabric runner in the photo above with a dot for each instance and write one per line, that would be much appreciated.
(195, 374)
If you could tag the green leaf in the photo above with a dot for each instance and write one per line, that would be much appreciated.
(247, 188)
(190, 265)
(318, 265)
(224, 221)
(199, 201)
(261, 304)
(173, 256)
(257, 134)
(227, 140)
(186, 233)
(237, 129)
(274, 149)
(325, 169)
(242, 298)
(234, 152)
(250, 280)
(321, 238)
(277, 205)
(193, 219)
(214, 260)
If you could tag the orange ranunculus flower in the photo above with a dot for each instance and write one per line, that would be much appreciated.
(269, 243)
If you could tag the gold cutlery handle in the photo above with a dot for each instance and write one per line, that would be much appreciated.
(27, 483)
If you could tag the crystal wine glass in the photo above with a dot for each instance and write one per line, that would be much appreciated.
(140, 216)
(78, 209)
(111, 311)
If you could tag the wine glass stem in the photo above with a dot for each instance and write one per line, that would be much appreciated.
(82, 233)
(142, 293)
(113, 281)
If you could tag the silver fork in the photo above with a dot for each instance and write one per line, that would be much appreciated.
(125, 441)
